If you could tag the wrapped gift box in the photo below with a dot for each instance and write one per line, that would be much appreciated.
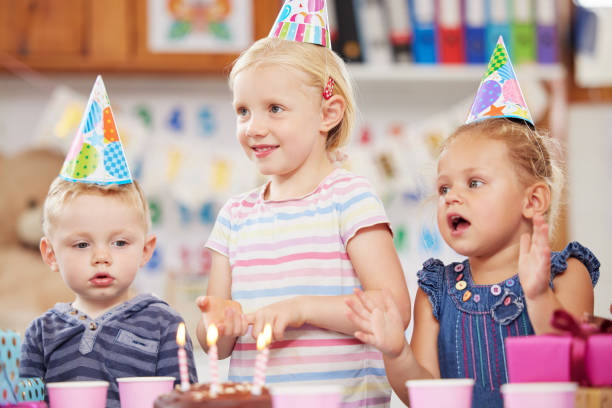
(9, 365)
(543, 358)
(13, 389)
(547, 358)
(599, 360)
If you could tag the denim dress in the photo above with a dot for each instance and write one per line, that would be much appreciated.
(475, 319)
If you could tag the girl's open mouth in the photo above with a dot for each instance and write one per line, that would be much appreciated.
(457, 223)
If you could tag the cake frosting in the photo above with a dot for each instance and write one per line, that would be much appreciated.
(230, 395)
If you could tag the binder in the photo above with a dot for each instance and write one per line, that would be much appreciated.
(373, 32)
(497, 24)
(451, 47)
(397, 16)
(475, 26)
(546, 32)
(522, 30)
(422, 17)
(348, 46)
(333, 25)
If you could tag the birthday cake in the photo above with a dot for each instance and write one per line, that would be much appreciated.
(230, 395)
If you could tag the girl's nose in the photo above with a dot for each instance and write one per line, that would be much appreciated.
(453, 196)
(255, 127)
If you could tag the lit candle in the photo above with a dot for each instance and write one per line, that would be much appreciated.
(182, 357)
(261, 361)
(211, 339)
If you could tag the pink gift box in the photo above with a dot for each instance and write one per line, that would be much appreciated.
(543, 358)
(547, 358)
(599, 360)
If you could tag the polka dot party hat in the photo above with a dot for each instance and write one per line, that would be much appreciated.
(96, 154)
(303, 21)
(499, 94)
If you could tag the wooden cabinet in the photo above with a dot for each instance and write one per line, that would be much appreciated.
(100, 35)
(43, 28)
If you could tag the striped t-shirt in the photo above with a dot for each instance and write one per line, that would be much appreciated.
(281, 249)
(134, 339)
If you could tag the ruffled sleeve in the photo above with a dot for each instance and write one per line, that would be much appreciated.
(558, 261)
(430, 280)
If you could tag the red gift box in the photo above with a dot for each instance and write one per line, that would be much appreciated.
(583, 354)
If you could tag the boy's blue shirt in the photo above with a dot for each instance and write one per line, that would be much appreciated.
(134, 339)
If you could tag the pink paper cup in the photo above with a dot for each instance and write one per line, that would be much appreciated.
(77, 394)
(539, 395)
(306, 396)
(141, 392)
(444, 392)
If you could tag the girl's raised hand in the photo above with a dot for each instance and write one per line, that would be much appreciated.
(379, 321)
(226, 314)
(534, 259)
(280, 315)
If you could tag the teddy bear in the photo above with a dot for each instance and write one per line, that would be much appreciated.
(27, 286)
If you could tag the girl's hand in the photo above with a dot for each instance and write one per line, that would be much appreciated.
(534, 259)
(280, 315)
(380, 322)
(226, 314)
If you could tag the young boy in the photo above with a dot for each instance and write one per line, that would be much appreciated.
(96, 235)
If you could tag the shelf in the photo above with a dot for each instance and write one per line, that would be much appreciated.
(446, 73)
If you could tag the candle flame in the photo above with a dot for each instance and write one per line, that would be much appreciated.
(211, 334)
(180, 334)
(265, 337)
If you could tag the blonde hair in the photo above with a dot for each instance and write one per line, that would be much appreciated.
(318, 62)
(62, 191)
(535, 155)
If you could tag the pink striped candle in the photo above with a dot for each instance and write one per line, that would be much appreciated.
(182, 357)
(213, 358)
(261, 361)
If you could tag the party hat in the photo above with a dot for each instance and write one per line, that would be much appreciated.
(303, 21)
(96, 154)
(499, 94)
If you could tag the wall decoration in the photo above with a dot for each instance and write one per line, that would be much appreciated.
(202, 26)
(207, 121)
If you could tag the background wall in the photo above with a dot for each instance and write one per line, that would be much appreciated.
(385, 107)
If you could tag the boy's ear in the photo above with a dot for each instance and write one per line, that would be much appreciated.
(536, 200)
(333, 112)
(147, 251)
(48, 254)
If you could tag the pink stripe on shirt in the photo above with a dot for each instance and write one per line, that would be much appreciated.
(290, 258)
(308, 359)
(296, 273)
(301, 343)
(273, 246)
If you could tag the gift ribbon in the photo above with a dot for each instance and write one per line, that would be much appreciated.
(562, 320)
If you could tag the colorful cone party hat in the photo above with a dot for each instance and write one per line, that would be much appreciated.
(96, 154)
(303, 21)
(499, 94)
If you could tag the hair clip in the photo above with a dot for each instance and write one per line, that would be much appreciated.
(329, 88)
